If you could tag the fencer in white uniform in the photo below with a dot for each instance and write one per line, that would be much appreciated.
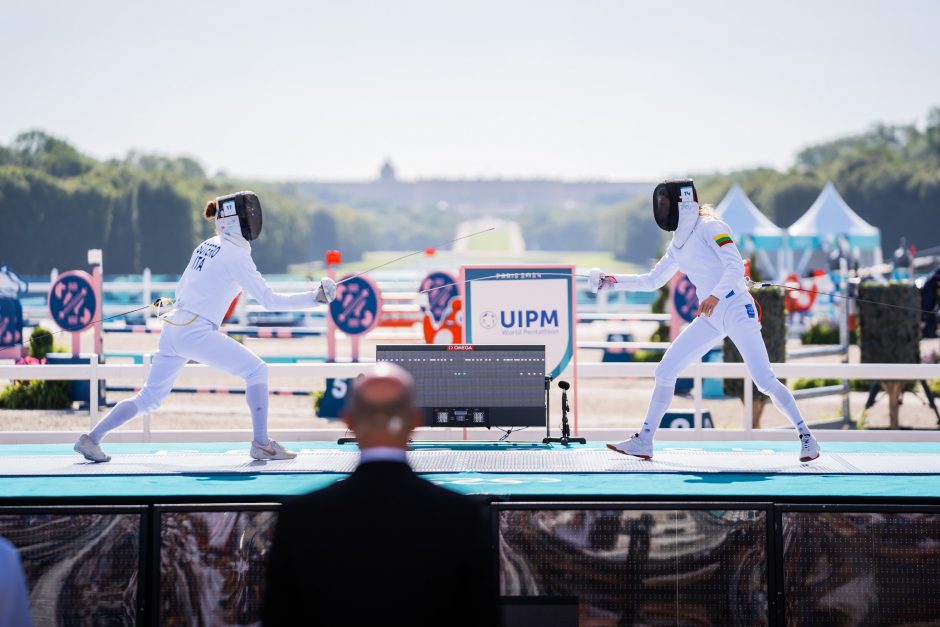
(702, 248)
(219, 268)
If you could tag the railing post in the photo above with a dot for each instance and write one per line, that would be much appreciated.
(697, 396)
(844, 335)
(148, 362)
(93, 391)
(748, 403)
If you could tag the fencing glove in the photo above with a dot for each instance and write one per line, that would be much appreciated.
(597, 280)
(327, 291)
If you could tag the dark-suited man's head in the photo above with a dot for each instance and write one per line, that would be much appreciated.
(381, 410)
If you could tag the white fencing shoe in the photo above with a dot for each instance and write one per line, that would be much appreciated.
(90, 451)
(636, 446)
(271, 450)
(809, 448)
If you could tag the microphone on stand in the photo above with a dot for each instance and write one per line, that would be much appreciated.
(565, 438)
(565, 408)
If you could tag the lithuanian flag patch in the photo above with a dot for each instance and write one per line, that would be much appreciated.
(723, 238)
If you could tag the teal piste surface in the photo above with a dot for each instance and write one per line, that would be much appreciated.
(641, 486)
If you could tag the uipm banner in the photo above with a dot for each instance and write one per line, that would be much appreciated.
(522, 305)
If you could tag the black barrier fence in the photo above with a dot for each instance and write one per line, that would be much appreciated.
(560, 563)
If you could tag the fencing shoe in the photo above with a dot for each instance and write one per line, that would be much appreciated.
(809, 448)
(90, 451)
(271, 450)
(636, 446)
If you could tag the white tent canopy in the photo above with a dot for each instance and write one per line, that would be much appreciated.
(753, 231)
(828, 219)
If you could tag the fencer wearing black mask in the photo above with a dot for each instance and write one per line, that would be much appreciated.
(703, 249)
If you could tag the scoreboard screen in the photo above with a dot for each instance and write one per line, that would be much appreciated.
(474, 385)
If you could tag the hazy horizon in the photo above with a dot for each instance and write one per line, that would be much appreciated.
(603, 91)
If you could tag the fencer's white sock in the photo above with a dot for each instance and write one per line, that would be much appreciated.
(257, 398)
(783, 400)
(659, 403)
(122, 412)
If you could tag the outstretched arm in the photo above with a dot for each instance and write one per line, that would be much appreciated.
(251, 280)
(649, 282)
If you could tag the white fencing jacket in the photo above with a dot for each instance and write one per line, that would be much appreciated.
(702, 248)
(217, 270)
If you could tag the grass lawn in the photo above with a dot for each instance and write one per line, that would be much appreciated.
(489, 242)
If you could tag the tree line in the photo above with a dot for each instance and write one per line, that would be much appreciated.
(143, 210)
(890, 175)
(146, 210)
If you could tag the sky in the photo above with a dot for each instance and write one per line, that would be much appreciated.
(576, 89)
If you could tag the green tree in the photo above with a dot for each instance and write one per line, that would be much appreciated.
(324, 234)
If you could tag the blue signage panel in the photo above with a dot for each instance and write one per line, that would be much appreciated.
(522, 305)
(72, 301)
(11, 322)
(334, 398)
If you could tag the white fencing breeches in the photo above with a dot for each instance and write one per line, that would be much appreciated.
(735, 317)
(198, 341)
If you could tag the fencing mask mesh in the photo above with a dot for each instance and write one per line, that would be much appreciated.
(242, 209)
(666, 199)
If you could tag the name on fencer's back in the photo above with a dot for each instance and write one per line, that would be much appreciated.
(528, 318)
(205, 251)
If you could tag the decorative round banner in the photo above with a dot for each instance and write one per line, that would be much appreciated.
(439, 297)
(358, 305)
(72, 301)
(684, 299)
(11, 322)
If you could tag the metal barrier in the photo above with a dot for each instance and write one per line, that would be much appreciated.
(398, 304)
(260, 332)
(400, 295)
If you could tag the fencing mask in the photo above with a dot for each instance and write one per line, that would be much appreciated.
(239, 213)
(667, 198)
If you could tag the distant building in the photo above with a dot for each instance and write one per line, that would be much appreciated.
(387, 173)
(500, 197)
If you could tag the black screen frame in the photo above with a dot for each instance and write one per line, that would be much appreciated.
(514, 416)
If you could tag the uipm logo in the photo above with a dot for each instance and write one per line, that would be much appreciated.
(488, 319)
(528, 318)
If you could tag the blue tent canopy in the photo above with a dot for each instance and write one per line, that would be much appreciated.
(828, 218)
(746, 220)
(753, 231)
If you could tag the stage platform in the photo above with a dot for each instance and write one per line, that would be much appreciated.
(698, 471)
(707, 533)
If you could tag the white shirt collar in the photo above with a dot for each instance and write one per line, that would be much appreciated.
(235, 239)
(688, 218)
(383, 454)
